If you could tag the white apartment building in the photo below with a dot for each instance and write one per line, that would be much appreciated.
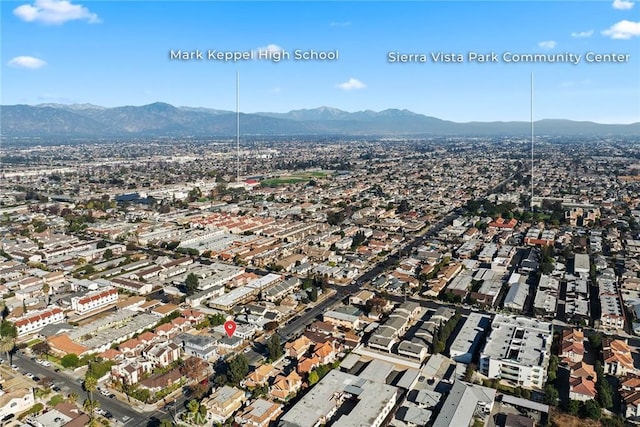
(518, 350)
(35, 320)
(94, 300)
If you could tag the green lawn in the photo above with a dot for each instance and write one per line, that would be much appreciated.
(273, 182)
(292, 179)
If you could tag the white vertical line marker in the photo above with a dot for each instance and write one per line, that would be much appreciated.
(238, 126)
(531, 141)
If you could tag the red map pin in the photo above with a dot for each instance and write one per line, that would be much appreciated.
(230, 327)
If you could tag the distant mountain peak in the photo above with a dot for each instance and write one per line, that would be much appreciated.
(85, 106)
(162, 119)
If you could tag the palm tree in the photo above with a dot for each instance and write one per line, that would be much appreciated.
(90, 385)
(6, 345)
(73, 396)
(45, 290)
(90, 406)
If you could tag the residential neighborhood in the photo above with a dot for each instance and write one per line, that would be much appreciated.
(392, 284)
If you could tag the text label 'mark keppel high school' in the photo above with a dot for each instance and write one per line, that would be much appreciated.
(250, 55)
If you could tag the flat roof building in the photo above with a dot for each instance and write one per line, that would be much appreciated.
(369, 403)
(469, 337)
(518, 350)
(581, 264)
(464, 402)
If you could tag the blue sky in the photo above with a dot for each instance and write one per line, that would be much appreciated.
(117, 53)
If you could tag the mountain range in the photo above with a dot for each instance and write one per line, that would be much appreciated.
(161, 119)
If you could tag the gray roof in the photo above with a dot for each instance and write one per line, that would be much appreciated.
(377, 371)
(520, 339)
(427, 398)
(396, 322)
(321, 400)
(469, 336)
(461, 403)
(413, 414)
(410, 347)
(408, 378)
(517, 295)
(55, 329)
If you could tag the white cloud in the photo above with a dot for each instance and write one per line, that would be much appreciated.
(623, 30)
(622, 4)
(549, 44)
(340, 24)
(573, 83)
(268, 52)
(270, 48)
(582, 34)
(54, 12)
(352, 84)
(29, 62)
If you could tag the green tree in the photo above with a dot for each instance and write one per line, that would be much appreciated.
(70, 361)
(89, 406)
(143, 395)
(6, 345)
(198, 390)
(72, 397)
(468, 373)
(596, 341)
(90, 384)
(202, 410)
(238, 368)
(313, 377)
(551, 395)
(165, 422)
(552, 372)
(274, 347)
(191, 283)
(108, 254)
(605, 395)
(55, 400)
(42, 348)
(574, 407)
(193, 406)
(313, 294)
(592, 410)
(217, 319)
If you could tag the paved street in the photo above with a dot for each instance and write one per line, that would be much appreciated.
(298, 324)
(126, 414)
(69, 384)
